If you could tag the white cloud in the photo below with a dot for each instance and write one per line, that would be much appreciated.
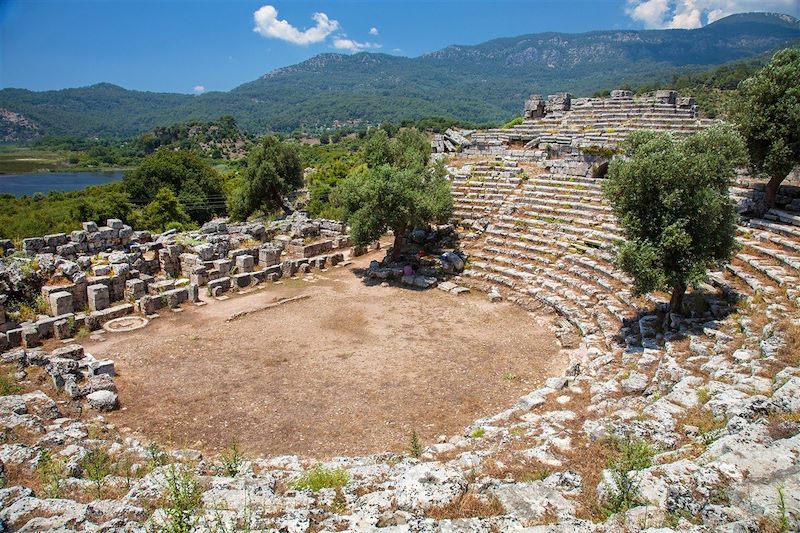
(342, 43)
(696, 13)
(199, 89)
(268, 25)
(373, 31)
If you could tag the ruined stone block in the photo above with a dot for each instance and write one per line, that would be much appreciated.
(223, 266)
(98, 297)
(61, 303)
(219, 286)
(244, 263)
(199, 276)
(61, 329)
(30, 337)
(269, 255)
(14, 337)
(242, 280)
(90, 227)
(135, 289)
(70, 351)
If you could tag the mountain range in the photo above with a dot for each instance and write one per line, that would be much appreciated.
(480, 83)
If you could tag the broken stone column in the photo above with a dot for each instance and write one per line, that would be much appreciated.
(61, 303)
(98, 297)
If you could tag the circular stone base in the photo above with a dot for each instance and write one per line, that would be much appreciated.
(125, 323)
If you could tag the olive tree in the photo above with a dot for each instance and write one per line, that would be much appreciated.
(671, 198)
(387, 197)
(273, 170)
(767, 113)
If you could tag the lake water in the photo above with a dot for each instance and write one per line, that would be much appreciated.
(44, 182)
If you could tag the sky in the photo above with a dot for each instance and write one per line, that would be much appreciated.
(195, 46)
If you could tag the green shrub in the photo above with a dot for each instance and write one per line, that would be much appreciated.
(415, 448)
(477, 433)
(629, 455)
(320, 477)
(96, 465)
(51, 472)
(183, 501)
(232, 459)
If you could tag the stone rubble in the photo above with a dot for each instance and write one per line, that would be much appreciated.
(715, 400)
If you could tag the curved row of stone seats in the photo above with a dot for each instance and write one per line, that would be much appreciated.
(554, 246)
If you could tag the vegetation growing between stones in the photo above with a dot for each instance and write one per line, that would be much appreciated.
(320, 477)
(232, 459)
(184, 494)
(629, 456)
(8, 385)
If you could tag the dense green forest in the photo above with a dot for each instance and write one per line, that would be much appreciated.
(485, 83)
(172, 187)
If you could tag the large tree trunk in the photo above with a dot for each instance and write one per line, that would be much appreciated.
(675, 305)
(397, 247)
(770, 193)
(676, 302)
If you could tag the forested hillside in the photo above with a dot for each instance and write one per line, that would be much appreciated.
(482, 83)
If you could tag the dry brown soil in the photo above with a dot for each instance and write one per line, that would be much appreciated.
(352, 369)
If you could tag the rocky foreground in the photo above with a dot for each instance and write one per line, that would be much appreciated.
(696, 431)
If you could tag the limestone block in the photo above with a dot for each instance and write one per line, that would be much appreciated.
(14, 337)
(61, 329)
(176, 297)
(242, 280)
(90, 227)
(269, 255)
(61, 303)
(221, 286)
(244, 263)
(71, 351)
(135, 289)
(103, 367)
(98, 297)
(114, 223)
(103, 400)
(223, 266)
(30, 337)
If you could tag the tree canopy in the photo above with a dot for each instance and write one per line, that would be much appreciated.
(273, 170)
(387, 197)
(671, 197)
(197, 185)
(163, 213)
(767, 112)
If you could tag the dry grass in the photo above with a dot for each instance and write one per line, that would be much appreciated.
(469, 505)
(589, 460)
(790, 351)
(518, 468)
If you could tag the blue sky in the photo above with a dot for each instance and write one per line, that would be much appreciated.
(204, 45)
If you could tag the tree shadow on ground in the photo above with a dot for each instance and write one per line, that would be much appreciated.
(701, 306)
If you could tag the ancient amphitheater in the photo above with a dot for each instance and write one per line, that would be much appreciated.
(696, 429)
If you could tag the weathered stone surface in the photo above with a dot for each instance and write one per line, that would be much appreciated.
(103, 400)
(429, 485)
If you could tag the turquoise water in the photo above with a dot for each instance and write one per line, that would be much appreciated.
(44, 182)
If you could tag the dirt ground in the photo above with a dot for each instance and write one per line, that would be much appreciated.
(351, 369)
